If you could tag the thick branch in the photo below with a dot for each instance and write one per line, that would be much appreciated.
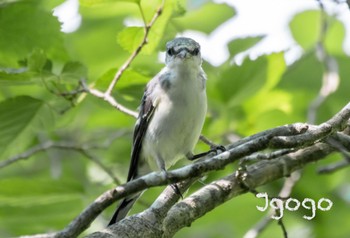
(219, 191)
(210, 196)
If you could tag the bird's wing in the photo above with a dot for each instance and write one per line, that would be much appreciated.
(146, 112)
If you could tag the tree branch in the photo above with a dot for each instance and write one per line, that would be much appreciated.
(110, 99)
(210, 196)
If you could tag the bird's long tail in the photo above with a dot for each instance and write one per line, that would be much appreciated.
(123, 208)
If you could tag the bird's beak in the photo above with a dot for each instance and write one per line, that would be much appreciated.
(183, 54)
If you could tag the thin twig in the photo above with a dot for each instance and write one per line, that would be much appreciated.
(281, 224)
(330, 80)
(97, 161)
(109, 99)
(333, 167)
(83, 149)
(207, 141)
(136, 51)
(107, 95)
(341, 148)
(143, 17)
(337, 144)
(25, 155)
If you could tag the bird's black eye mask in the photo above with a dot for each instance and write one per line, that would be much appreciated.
(171, 51)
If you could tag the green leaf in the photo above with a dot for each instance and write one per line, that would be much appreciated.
(299, 76)
(24, 27)
(73, 71)
(157, 31)
(130, 38)
(94, 43)
(35, 68)
(38, 203)
(90, 3)
(335, 37)
(36, 60)
(48, 5)
(249, 90)
(130, 77)
(275, 70)
(239, 45)
(206, 18)
(238, 83)
(266, 110)
(11, 77)
(18, 116)
(302, 80)
(130, 86)
(306, 30)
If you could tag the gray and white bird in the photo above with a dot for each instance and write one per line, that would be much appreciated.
(171, 117)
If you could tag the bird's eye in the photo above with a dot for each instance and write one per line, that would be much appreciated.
(195, 51)
(171, 51)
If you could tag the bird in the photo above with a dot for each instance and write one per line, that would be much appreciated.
(171, 116)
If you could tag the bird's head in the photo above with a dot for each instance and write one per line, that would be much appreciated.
(183, 51)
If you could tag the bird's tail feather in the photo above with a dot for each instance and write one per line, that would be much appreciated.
(123, 208)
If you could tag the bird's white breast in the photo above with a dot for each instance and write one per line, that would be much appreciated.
(181, 105)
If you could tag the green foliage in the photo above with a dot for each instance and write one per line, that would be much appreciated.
(19, 117)
(34, 28)
(240, 45)
(214, 15)
(130, 38)
(307, 28)
(96, 2)
(40, 72)
(39, 199)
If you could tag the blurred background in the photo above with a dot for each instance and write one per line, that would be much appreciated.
(268, 63)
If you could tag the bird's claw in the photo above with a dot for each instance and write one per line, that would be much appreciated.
(217, 149)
